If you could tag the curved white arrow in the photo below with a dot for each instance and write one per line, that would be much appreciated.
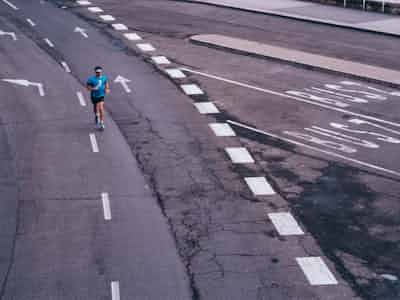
(81, 31)
(25, 82)
(123, 82)
(12, 34)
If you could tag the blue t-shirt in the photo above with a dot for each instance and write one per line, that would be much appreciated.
(99, 83)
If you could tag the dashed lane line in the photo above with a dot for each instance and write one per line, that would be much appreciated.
(115, 293)
(285, 223)
(145, 47)
(93, 141)
(107, 18)
(84, 3)
(132, 36)
(119, 26)
(30, 22)
(175, 73)
(259, 186)
(160, 60)
(239, 155)
(66, 67)
(191, 89)
(81, 98)
(355, 161)
(48, 42)
(222, 129)
(106, 206)
(206, 108)
(95, 9)
(316, 271)
(10, 4)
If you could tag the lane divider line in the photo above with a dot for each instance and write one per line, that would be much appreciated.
(83, 2)
(285, 223)
(10, 4)
(95, 9)
(160, 60)
(49, 42)
(222, 129)
(115, 294)
(259, 186)
(66, 67)
(31, 22)
(106, 206)
(206, 108)
(316, 271)
(107, 18)
(119, 26)
(191, 89)
(132, 36)
(81, 98)
(175, 73)
(145, 47)
(93, 141)
(239, 155)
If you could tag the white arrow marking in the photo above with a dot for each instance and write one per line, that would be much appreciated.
(25, 82)
(81, 31)
(123, 82)
(12, 34)
(10, 4)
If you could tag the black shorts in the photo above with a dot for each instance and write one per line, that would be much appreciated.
(97, 100)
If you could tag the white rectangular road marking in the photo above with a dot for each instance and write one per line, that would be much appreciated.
(83, 2)
(239, 155)
(30, 22)
(132, 36)
(285, 223)
(175, 73)
(95, 9)
(107, 18)
(66, 67)
(206, 108)
(119, 26)
(49, 42)
(81, 98)
(222, 129)
(259, 186)
(145, 47)
(191, 89)
(161, 60)
(115, 295)
(93, 141)
(10, 4)
(106, 206)
(316, 271)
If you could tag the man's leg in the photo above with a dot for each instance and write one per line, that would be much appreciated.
(96, 113)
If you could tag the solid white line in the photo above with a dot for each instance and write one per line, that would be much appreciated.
(259, 186)
(316, 271)
(115, 295)
(93, 141)
(106, 206)
(81, 98)
(49, 42)
(359, 162)
(10, 4)
(239, 155)
(292, 97)
(285, 223)
(66, 67)
(30, 22)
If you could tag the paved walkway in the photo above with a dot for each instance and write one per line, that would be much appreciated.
(349, 18)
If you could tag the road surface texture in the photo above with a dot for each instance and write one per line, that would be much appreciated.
(286, 189)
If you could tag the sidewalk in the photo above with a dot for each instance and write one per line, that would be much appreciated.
(318, 13)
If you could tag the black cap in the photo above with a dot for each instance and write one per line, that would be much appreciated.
(98, 68)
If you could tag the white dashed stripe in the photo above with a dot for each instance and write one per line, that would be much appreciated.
(285, 223)
(191, 89)
(132, 36)
(316, 271)
(66, 67)
(206, 108)
(119, 26)
(49, 42)
(81, 98)
(161, 60)
(259, 186)
(107, 18)
(222, 129)
(106, 206)
(30, 22)
(115, 294)
(10, 4)
(95, 9)
(239, 155)
(145, 47)
(93, 141)
(175, 73)
(84, 2)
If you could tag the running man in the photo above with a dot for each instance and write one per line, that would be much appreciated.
(98, 86)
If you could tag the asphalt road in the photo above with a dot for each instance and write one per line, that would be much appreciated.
(326, 143)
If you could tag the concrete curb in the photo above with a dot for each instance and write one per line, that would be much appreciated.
(297, 18)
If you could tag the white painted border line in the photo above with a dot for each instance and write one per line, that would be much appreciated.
(49, 42)
(355, 161)
(146, 47)
(160, 60)
(206, 108)
(10, 4)
(83, 2)
(93, 141)
(175, 73)
(239, 155)
(30, 22)
(132, 36)
(115, 294)
(191, 89)
(259, 186)
(95, 9)
(222, 129)
(285, 223)
(316, 271)
(107, 18)
(81, 98)
(66, 67)
(105, 199)
(119, 26)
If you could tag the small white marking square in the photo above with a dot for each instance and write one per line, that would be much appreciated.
(259, 186)
(285, 223)
(191, 89)
(132, 36)
(222, 129)
(239, 155)
(84, 2)
(161, 60)
(146, 47)
(119, 26)
(316, 271)
(175, 73)
(95, 9)
(107, 18)
(206, 108)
